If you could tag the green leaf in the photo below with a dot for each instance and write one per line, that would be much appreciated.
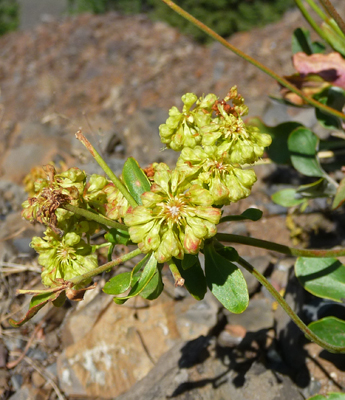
(329, 396)
(323, 277)
(189, 260)
(155, 287)
(253, 214)
(330, 329)
(340, 195)
(287, 198)
(225, 281)
(301, 41)
(194, 278)
(60, 300)
(37, 302)
(227, 252)
(135, 179)
(117, 236)
(278, 150)
(146, 276)
(118, 284)
(303, 144)
(333, 97)
(320, 188)
(318, 47)
(135, 274)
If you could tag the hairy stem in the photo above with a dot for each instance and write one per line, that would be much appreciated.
(116, 181)
(333, 13)
(309, 334)
(105, 267)
(256, 63)
(95, 217)
(280, 248)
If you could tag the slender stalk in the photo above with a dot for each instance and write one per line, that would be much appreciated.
(179, 281)
(280, 248)
(95, 217)
(325, 17)
(333, 13)
(318, 11)
(116, 181)
(309, 334)
(256, 63)
(105, 267)
(310, 20)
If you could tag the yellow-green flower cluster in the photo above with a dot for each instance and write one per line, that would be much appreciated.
(215, 143)
(63, 258)
(175, 218)
(63, 252)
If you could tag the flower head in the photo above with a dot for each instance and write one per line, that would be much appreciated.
(63, 258)
(246, 143)
(211, 168)
(172, 220)
(182, 128)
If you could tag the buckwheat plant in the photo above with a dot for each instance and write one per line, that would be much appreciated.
(171, 214)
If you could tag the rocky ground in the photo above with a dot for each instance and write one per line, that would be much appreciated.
(116, 77)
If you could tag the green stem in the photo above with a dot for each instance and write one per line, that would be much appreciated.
(280, 248)
(116, 181)
(179, 281)
(95, 217)
(256, 63)
(310, 20)
(318, 11)
(333, 13)
(105, 267)
(309, 334)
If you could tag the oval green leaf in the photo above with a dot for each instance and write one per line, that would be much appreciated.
(323, 277)
(287, 198)
(145, 278)
(225, 281)
(330, 329)
(320, 188)
(303, 144)
(333, 97)
(189, 260)
(194, 278)
(118, 284)
(135, 179)
(37, 302)
(278, 150)
(155, 287)
(252, 214)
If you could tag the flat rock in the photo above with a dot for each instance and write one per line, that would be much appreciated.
(125, 342)
(192, 371)
(257, 316)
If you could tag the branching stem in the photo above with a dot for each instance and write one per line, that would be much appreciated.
(116, 181)
(280, 248)
(105, 267)
(95, 217)
(309, 334)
